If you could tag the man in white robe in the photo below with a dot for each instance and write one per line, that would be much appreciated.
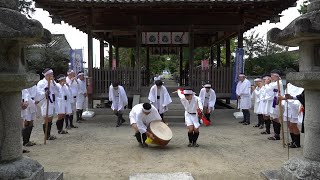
(266, 99)
(140, 117)
(81, 97)
(159, 97)
(256, 93)
(243, 92)
(119, 99)
(208, 98)
(28, 113)
(73, 85)
(192, 105)
(46, 94)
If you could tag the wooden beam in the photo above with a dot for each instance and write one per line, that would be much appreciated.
(101, 54)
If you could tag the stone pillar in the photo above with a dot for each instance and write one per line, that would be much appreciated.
(301, 32)
(14, 78)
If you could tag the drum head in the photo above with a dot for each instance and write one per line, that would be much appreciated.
(161, 130)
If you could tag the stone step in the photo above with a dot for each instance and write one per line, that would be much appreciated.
(174, 97)
(179, 118)
(53, 176)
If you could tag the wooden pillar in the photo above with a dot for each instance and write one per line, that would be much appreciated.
(137, 57)
(228, 53)
(101, 54)
(110, 55)
(218, 55)
(90, 68)
(191, 51)
(117, 53)
(181, 66)
(148, 66)
(211, 55)
(240, 39)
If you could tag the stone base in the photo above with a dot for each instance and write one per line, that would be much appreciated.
(162, 176)
(300, 168)
(296, 168)
(271, 175)
(53, 176)
(23, 168)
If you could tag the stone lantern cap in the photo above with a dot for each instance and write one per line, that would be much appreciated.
(305, 27)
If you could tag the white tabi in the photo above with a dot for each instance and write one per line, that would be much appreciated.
(118, 97)
(63, 105)
(208, 99)
(292, 114)
(256, 97)
(81, 99)
(73, 86)
(142, 120)
(42, 84)
(164, 98)
(244, 91)
(274, 111)
(190, 114)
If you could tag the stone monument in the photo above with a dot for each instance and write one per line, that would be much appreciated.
(16, 31)
(304, 32)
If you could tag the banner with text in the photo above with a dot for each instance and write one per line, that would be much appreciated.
(76, 60)
(238, 68)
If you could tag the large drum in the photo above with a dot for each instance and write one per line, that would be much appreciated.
(161, 132)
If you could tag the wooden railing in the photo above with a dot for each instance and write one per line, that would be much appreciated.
(220, 78)
(130, 79)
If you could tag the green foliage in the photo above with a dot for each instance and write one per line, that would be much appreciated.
(50, 59)
(303, 7)
(27, 7)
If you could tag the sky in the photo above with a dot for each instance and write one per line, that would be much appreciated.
(78, 40)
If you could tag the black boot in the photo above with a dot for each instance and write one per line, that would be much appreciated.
(144, 138)
(118, 121)
(59, 124)
(25, 138)
(296, 141)
(121, 118)
(138, 136)
(78, 115)
(208, 117)
(71, 122)
(66, 120)
(292, 139)
(195, 138)
(81, 111)
(268, 126)
(49, 137)
(190, 136)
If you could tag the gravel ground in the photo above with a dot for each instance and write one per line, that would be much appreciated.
(98, 150)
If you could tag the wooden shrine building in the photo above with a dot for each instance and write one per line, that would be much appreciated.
(163, 23)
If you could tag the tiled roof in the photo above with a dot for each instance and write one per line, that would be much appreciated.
(160, 1)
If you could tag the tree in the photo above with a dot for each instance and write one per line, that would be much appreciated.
(26, 7)
(303, 7)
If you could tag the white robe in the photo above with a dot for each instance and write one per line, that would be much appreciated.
(256, 97)
(74, 86)
(274, 111)
(42, 84)
(262, 101)
(292, 113)
(212, 98)
(191, 114)
(63, 106)
(162, 103)
(81, 99)
(142, 120)
(119, 99)
(244, 91)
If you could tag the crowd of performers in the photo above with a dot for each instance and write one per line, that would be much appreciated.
(273, 105)
(141, 115)
(63, 96)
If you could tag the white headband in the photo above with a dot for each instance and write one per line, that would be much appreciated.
(242, 75)
(59, 79)
(187, 92)
(207, 86)
(257, 79)
(80, 74)
(276, 74)
(48, 72)
(145, 110)
(70, 72)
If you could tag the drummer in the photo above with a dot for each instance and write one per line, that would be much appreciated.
(191, 105)
(140, 117)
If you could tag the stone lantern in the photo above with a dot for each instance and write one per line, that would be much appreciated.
(16, 31)
(304, 32)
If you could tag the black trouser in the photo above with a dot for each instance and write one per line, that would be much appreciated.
(193, 137)
(246, 115)
(260, 119)
(276, 128)
(268, 125)
(138, 136)
(26, 132)
(59, 124)
(79, 114)
(49, 129)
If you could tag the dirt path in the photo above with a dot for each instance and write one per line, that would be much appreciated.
(97, 150)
